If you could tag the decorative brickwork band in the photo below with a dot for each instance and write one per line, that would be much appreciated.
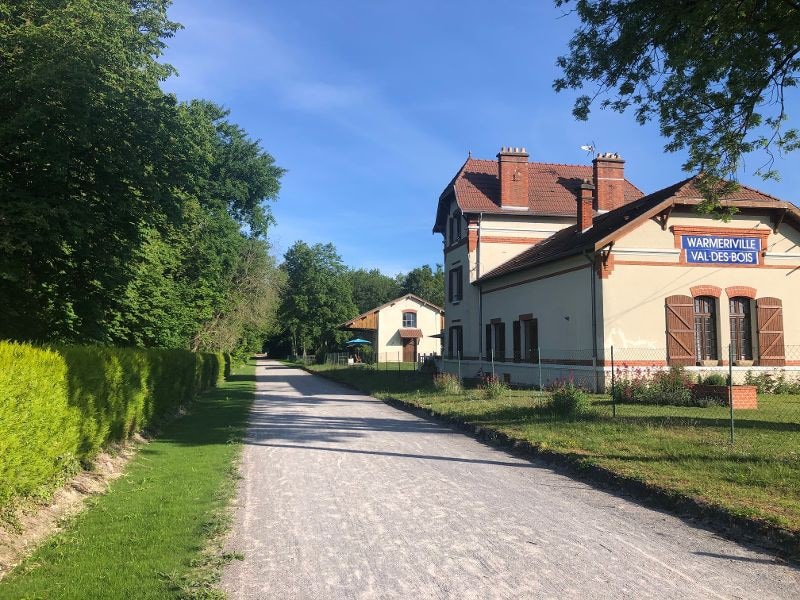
(706, 290)
(742, 291)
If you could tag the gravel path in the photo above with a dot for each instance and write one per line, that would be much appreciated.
(346, 497)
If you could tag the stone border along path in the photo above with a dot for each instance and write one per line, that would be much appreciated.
(343, 496)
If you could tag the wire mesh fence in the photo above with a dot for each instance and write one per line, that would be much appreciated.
(728, 393)
(645, 385)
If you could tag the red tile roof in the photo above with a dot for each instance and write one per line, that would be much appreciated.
(410, 332)
(552, 188)
(608, 226)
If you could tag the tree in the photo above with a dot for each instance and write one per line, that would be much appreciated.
(317, 297)
(425, 283)
(372, 288)
(86, 157)
(715, 73)
(125, 216)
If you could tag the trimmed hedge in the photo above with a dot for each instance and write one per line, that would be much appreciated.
(59, 406)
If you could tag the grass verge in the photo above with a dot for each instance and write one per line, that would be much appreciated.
(683, 451)
(157, 532)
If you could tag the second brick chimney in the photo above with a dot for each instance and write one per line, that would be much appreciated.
(609, 179)
(513, 169)
(585, 201)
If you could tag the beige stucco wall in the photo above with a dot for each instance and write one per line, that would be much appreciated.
(480, 261)
(501, 227)
(634, 294)
(390, 320)
(630, 301)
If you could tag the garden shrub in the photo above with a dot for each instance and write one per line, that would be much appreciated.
(493, 387)
(672, 387)
(60, 406)
(715, 379)
(569, 400)
(772, 383)
(447, 383)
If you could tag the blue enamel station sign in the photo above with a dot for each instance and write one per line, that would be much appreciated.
(721, 250)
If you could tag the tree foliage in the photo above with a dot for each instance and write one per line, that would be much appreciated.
(372, 288)
(318, 298)
(425, 282)
(125, 215)
(715, 73)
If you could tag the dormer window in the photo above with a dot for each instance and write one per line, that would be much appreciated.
(409, 319)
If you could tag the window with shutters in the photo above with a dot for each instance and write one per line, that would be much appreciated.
(530, 337)
(455, 342)
(741, 324)
(705, 328)
(680, 330)
(455, 287)
(517, 341)
(771, 351)
(455, 227)
(496, 341)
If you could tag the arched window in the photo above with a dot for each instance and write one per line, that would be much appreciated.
(409, 319)
(705, 328)
(741, 337)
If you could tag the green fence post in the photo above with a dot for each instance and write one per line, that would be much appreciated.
(539, 359)
(613, 386)
(730, 384)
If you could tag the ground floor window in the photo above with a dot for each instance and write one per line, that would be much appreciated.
(530, 340)
(455, 342)
(496, 340)
(741, 328)
(705, 328)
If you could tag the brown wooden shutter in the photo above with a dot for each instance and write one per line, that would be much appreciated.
(460, 346)
(488, 342)
(515, 328)
(450, 343)
(501, 341)
(771, 352)
(450, 283)
(680, 330)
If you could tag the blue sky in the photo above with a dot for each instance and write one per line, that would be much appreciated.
(372, 107)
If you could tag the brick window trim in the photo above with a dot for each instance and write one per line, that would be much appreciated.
(705, 290)
(743, 291)
(409, 310)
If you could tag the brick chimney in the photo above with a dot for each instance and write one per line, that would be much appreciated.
(513, 163)
(585, 202)
(609, 179)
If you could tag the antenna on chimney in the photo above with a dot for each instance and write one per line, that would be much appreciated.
(589, 148)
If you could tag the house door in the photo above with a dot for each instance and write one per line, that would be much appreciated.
(409, 350)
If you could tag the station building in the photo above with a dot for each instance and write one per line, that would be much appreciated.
(550, 266)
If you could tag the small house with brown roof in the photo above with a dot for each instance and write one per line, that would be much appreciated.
(401, 330)
(648, 275)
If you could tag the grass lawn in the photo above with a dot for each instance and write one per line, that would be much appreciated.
(685, 450)
(145, 537)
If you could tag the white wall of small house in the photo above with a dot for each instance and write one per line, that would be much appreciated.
(390, 320)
